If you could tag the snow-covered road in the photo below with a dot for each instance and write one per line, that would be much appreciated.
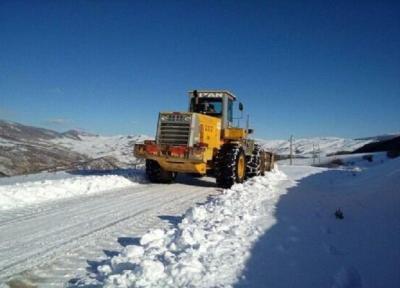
(47, 244)
(279, 230)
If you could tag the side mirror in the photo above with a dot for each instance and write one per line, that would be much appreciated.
(250, 131)
(240, 106)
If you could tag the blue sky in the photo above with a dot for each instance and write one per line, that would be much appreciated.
(308, 68)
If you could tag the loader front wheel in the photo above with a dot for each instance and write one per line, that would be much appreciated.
(230, 166)
(156, 174)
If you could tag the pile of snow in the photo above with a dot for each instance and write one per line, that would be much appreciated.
(208, 248)
(59, 175)
(305, 147)
(26, 193)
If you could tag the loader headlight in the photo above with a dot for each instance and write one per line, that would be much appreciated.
(187, 118)
(164, 117)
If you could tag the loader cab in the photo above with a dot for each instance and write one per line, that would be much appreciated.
(213, 103)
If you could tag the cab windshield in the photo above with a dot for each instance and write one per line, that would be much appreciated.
(209, 106)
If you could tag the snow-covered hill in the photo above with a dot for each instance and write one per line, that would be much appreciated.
(120, 147)
(26, 149)
(305, 147)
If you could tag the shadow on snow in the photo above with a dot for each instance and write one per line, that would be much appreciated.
(309, 247)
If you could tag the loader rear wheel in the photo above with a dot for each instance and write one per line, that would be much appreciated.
(230, 165)
(270, 162)
(156, 174)
(267, 162)
(254, 163)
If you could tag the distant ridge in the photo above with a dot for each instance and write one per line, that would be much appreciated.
(393, 144)
(380, 137)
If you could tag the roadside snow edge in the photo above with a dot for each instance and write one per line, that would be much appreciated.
(23, 194)
(209, 248)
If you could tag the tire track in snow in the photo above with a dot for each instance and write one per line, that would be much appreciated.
(109, 206)
(47, 273)
(105, 206)
(9, 216)
(57, 232)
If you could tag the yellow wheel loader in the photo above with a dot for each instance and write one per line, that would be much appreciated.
(203, 141)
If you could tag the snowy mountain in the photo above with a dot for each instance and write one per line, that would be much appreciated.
(26, 149)
(119, 147)
(76, 134)
(307, 146)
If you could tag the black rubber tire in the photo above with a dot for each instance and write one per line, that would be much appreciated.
(253, 167)
(226, 165)
(156, 174)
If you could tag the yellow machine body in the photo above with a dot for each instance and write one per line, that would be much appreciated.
(205, 136)
(189, 142)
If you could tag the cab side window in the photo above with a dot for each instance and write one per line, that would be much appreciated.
(230, 111)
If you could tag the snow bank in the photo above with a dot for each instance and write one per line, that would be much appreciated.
(27, 193)
(208, 248)
(11, 180)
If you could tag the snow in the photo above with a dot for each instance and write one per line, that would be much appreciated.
(7, 142)
(318, 250)
(208, 248)
(272, 231)
(54, 242)
(276, 231)
(35, 177)
(347, 159)
(120, 147)
(304, 147)
(24, 193)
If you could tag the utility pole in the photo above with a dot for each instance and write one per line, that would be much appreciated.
(319, 154)
(316, 151)
(291, 149)
(314, 154)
